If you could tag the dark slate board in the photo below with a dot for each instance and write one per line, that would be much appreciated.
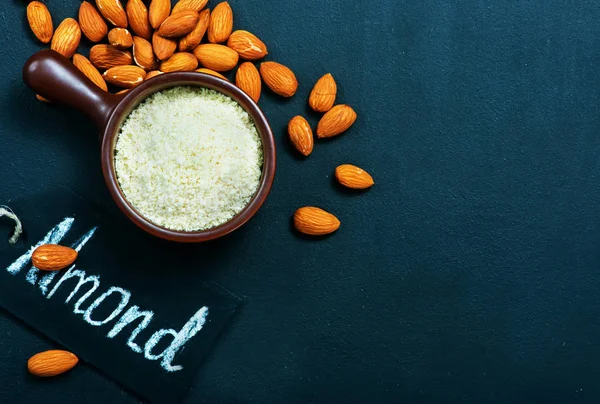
(469, 273)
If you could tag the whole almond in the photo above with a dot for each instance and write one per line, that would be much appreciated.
(88, 69)
(247, 45)
(120, 38)
(353, 177)
(51, 363)
(193, 39)
(113, 11)
(315, 221)
(322, 96)
(247, 78)
(301, 135)
(195, 5)
(159, 11)
(66, 38)
(212, 73)
(92, 24)
(221, 23)
(106, 56)
(152, 73)
(216, 57)
(178, 24)
(137, 14)
(40, 21)
(143, 55)
(337, 120)
(125, 76)
(179, 62)
(279, 78)
(164, 48)
(53, 257)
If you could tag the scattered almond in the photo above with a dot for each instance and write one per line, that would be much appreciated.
(66, 38)
(193, 39)
(113, 11)
(124, 91)
(178, 24)
(216, 57)
(164, 48)
(152, 73)
(42, 99)
(91, 22)
(322, 96)
(195, 5)
(159, 11)
(88, 69)
(221, 23)
(143, 55)
(279, 78)
(137, 14)
(51, 363)
(315, 221)
(120, 38)
(212, 73)
(353, 177)
(301, 135)
(247, 78)
(179, 62)
(125, 76)
(337, 120)
(247, 45)
(53, 257)
(40, 21)
(106, 56)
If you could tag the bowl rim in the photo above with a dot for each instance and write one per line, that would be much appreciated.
(164, 81)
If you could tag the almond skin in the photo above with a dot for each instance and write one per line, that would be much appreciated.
(322, 96)
(193, 39)
(113, 11)
(279, 78)
(221, 23)
(137, 14)
(178, 24)
(315, 221)
(87, 68)
(158, 12)
(247, 45)
(106, 56)
(195, 5)
(301, 135)
(53, 257)
(353, 177)
(179, 62)
(66, 38)
(125, 76)
(216, 57)
(247, 78)
(91, 22)
(164, 48)
(337, 120)
(120, 38)
(153, 73)
(40, 21)
(51, 363)
(212, 73)
(143, 55)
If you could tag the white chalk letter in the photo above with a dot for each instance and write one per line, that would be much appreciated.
(130, 316)
(125, 295)
(71, 273)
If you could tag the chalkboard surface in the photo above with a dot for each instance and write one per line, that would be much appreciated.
(469, 273)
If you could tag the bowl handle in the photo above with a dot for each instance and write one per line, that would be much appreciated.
(54, 77)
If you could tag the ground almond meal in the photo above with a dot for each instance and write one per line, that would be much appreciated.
(188, 158)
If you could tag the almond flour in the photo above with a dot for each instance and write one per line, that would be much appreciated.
(188, 158)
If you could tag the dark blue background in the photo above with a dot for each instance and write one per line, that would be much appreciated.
(469, 273)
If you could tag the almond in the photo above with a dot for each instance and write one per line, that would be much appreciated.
(301, 135)
(88, 69)
(353, 177)
(179, 62)
(137, 14)
(42, 99)
(143, 55)
(315, 221)
(125, 76)
(216, 57)
(164, 48)
(279, 78)
(91, 22)
(51, 363)
(322, 96)
(221, 23)
(66, 38)
(337, 120)
(178, 24)
(120, 38)
(195, 5)
(153, 73)
(212, 73)
(106, 56)
(247, 45)
(40, 21)
(247, 78)
(159, 11)
(53, 257)
(125, 91)
(113, 11)
(193, 39)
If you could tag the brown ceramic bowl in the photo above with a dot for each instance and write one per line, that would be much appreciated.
(57, 79)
